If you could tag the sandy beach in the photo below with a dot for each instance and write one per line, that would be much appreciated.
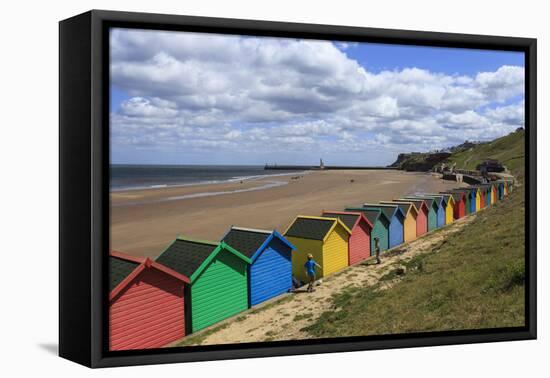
(143, 222)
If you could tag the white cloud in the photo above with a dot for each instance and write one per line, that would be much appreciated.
(192, 91)
(506, 82)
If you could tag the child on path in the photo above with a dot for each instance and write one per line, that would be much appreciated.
(377, 250)
(310, 266)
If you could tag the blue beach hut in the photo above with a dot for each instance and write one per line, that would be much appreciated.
(471, 203)
(397, 220)
(500, 191)
(270, 272)
(436, 208)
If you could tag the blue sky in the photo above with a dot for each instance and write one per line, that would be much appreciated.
(380, 57)
(186, 98)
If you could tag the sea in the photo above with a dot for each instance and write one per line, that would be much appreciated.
(134, 177)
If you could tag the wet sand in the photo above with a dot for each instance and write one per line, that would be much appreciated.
(143, 222)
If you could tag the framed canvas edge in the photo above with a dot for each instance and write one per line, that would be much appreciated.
(99, 244)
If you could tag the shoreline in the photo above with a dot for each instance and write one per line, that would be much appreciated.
(206, 182)
(144, 222)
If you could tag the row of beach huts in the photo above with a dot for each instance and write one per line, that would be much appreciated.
(194, 284)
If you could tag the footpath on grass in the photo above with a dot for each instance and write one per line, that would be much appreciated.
(287, 317)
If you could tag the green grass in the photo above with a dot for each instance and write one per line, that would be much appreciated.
(303, 316)
(474, 279)
(509, 150)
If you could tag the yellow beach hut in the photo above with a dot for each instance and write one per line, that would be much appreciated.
(478, 198)
(409, 224)
(325, 238)
(449, 208)
(507, 187)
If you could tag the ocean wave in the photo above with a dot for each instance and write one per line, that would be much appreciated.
(267, 185)
(207, 182)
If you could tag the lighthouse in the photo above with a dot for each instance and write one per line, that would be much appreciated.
(321, 164)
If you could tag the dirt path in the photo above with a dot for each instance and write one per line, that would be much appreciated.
(284, 318)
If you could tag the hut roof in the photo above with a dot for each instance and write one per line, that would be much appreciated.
(249, 241)
(404, 206)
(429, 201)
(457, 195)
(119, 269)
(444, 196)
(349, 218)
(389, 210)
(189, 256)
(124, 268)
(246, 241)
(418, 203)
(316, 228)
(371, 214)
(438, 198)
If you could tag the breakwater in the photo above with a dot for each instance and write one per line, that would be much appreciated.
(327, 167)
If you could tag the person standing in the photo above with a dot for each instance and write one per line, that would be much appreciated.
(377, 250)
(310, 267)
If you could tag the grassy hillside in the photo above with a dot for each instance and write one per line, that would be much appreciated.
(473, 279)
(509, 150)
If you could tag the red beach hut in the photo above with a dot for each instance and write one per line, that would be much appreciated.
(146, 303)
(422, 214)
(459, 209)
(482, 194)
(361, 228)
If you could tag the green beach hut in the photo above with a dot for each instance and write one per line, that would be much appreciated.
(433, 208)
(218, 276)
(380, 227)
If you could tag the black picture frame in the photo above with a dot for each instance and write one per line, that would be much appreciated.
(84, 190)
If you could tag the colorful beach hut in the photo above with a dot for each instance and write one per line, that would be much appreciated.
(449, 207)
(478, 199)
(359, 240)
(494, 192)
(436, 218)
(218, 276)
(508, 187)
(409, 225)
(146, 303)
(270, 270)
(325, 238)
(482, 191)
(500, 189)
(380, 227)
(472, 195)
(440, 204)
(467, 200)
(459, 206)
(422, 214)
(397, 220)
(448, 203)
(487, 191)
